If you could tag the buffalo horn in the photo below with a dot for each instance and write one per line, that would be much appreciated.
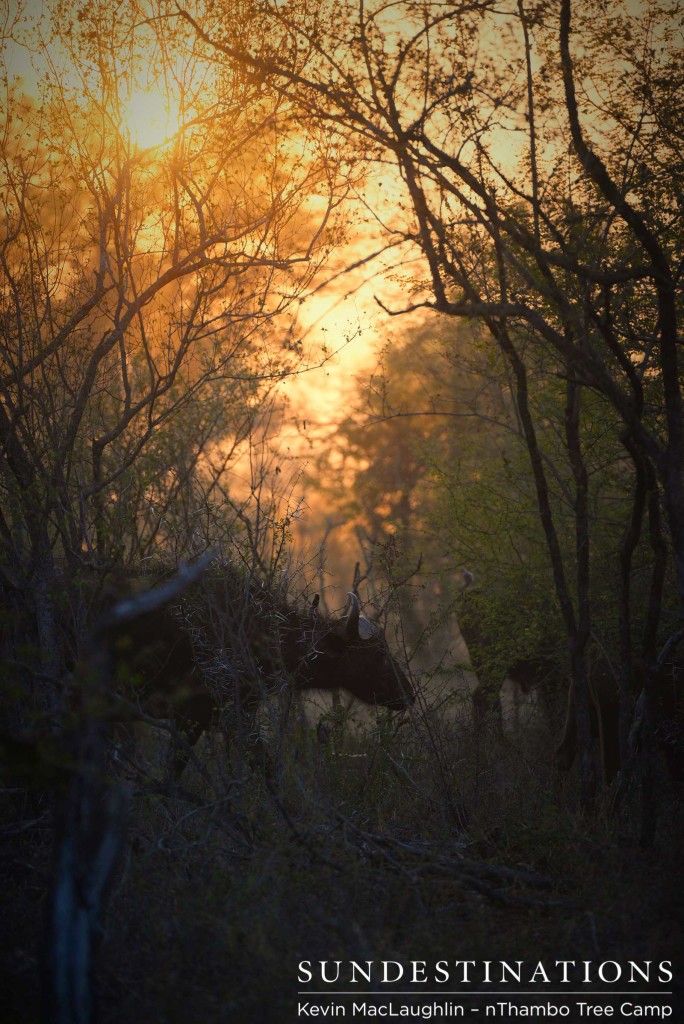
(353, 618)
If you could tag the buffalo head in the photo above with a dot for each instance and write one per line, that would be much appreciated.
(236, 645)
(352, 654)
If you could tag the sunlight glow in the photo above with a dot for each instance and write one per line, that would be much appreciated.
(147, 117)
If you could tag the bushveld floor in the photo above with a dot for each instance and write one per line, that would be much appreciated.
(393, 846)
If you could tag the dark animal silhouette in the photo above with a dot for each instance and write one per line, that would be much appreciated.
(218, 654)
(527, 673)
(543, 671)
(540, 672)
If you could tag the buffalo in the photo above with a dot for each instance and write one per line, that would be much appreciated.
(212, 658)
(538, 672)
(541, 672)
(527, 673)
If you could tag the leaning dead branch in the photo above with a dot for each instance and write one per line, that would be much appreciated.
(142, 604)
(90, 820)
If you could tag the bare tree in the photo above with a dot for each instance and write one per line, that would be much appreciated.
(147, 300)
(569, 257)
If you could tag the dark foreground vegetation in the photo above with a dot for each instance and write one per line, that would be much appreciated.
(148, 879)
(350, 850)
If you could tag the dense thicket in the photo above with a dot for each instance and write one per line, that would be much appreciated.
(541, 193)
(518, 173)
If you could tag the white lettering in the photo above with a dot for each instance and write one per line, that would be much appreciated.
(419, 975)
(602, 973)
(516, 975)
(386, 978)
(358, 969)
(466, 963)
(635, 969)
(324, 976)
(565, 964)
(442, 970)
(645, 1010)
(539, 970)
(304, 968)
(664, 972)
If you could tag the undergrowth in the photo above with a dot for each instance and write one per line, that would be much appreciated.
(404, 843)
